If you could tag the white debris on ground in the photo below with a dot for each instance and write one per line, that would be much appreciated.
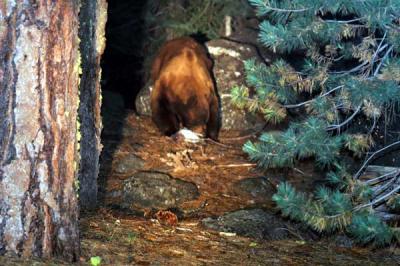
(189, 136)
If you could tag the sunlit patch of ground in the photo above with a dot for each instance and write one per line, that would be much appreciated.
(120, 239)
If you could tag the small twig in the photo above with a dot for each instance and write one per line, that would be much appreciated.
(299, 171)
(357, 208)
(292, 232)
(379, 49)
(219, 143)
(357, 175)
(309, 101)
(338, 126)
(285, 10)
(378, 200)
(379, 190)
(246, 136)
(351, 70)
(380, 178)
(243, 137)
(373, 126)
(383, 60)
(236, 165)
(344, 21)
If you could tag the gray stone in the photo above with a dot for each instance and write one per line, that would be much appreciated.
(229, 71)
(142, 101)
(343, 241)
(255, 223)
(256, 187)
(156, 190)
(128, 164)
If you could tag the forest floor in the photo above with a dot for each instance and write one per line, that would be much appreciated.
(220, 172)
(226, 182)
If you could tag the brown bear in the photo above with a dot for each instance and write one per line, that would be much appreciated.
(183, 92)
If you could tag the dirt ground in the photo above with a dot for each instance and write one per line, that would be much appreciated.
(121, 238)
(124, 240)
(124, 237)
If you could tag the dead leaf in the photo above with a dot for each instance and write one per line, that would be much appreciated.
(167, 218)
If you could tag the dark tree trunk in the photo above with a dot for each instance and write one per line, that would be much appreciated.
(39, 77)
(93, 16)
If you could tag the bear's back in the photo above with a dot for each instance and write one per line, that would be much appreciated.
(183, 48)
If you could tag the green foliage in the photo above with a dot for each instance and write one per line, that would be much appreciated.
(367, 228)
(205, 16)
(166, 19)
(394, 203)
(357, 143)
(343, 56)
(271, 110)
(391, 70)
(95, 261)
(330, 211)
(300, 24)
(299, 141)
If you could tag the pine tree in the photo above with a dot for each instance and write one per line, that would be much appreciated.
(168, 19)
(347, 63)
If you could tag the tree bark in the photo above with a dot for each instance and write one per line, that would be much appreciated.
(93, 16)
(39, 73)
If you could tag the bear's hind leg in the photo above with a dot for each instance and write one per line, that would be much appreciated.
(213, 123)
(166, 121)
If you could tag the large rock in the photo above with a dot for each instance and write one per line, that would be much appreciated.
(255, 223)
(257, 188)
(228, 71)
(128, 164)
(142, 101)
(146, 190)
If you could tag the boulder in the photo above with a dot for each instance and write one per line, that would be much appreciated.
(142, 101)
(255, 223)
(146, 190)
(257, 188)
(128, 164)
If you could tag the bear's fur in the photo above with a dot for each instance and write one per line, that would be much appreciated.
(183, 92)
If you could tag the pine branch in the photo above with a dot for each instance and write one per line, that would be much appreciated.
(380, 189)
(263, 6)
(383, 60)
(348, 120)
(366, 88)
(312, 100)
(361, 170)
(344, 21)
(354, 69)
(286, 10)
(381, 178)
(379, 47)
(378, 200)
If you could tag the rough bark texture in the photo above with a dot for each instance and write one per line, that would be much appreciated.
(39, 65)
(93, 16)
